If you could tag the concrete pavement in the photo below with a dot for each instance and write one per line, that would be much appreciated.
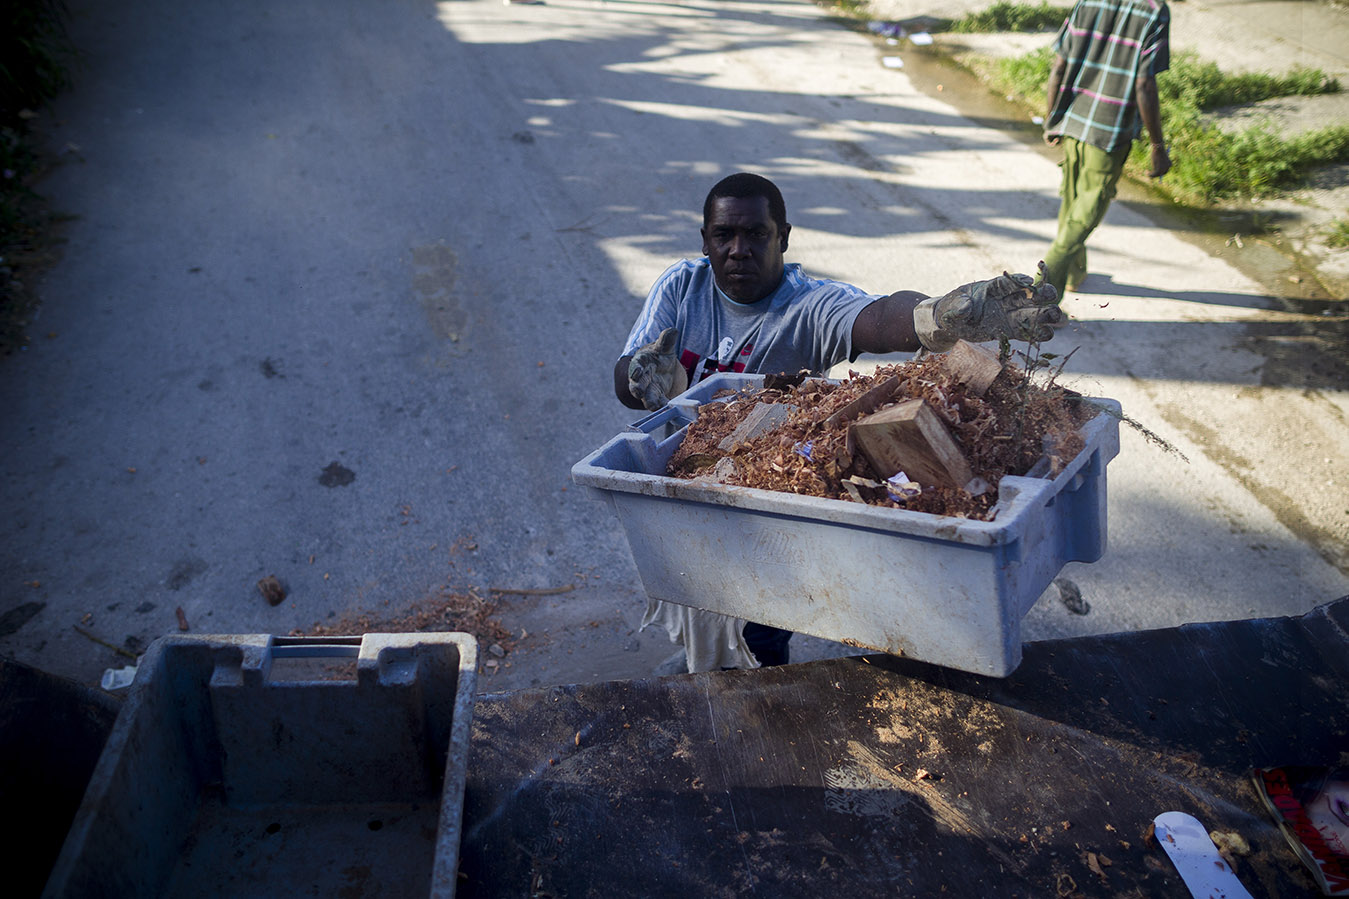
(346, 281)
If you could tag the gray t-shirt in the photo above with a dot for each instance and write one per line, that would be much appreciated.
(805, 324)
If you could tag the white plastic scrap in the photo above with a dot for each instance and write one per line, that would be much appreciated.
(118, 678)
(901, 488)
(1191, 850)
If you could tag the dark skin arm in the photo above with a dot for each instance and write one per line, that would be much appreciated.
(1056, 70)
(1150, 111)
(885, 326)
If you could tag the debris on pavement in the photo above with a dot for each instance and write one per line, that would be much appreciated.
(1230, 844)
(104, 643)
(272, 590)
(465, 611)
(1071, 596)
(118, 678)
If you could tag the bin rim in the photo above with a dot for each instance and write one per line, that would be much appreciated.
(1016, 493)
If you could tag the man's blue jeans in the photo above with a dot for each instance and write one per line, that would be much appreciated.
(768, 643)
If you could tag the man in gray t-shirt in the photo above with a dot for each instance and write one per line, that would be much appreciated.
(742, 308)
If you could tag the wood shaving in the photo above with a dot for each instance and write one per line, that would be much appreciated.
(1009, 429)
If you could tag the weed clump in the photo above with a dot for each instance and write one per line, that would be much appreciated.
(36, 62)
(1004, 16)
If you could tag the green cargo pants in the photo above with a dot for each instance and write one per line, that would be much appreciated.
(1089, 178)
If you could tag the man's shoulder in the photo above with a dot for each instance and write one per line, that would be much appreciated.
(685, 273)
(1087, 9)
(797, 283)
(688, 266)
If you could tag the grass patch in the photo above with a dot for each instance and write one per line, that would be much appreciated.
(1194, 84)
(36, 54)
(1003, 16)
(845, 11)
(36, 61)
(1210, 165)
(1025, 77)
(1337, 235)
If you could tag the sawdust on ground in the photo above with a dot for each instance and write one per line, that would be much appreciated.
(464, 611)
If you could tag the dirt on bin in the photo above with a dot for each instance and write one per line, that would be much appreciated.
(1023, 420)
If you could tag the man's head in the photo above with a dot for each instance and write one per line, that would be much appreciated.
(744, 235)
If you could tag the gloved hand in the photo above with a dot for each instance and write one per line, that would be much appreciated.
(1017, 307)
(654, 374)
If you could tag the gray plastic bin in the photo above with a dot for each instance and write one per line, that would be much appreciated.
(224, 777)
(945, 590)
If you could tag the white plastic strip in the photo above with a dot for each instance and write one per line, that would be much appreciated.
(1204, 871)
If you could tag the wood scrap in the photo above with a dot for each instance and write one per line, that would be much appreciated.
(870, 401)
(763, 417)
(973, 365)
(910, 437)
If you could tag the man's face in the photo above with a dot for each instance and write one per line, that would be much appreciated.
(745, 247)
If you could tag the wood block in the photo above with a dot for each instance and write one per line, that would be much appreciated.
(973, 365)
(911, 437)
(870, 401)
(763, 417)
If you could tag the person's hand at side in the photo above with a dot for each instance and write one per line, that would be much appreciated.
(1161, 161)
(654, 374)
(1016, 307)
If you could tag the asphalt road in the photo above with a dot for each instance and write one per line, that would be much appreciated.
(346, 280)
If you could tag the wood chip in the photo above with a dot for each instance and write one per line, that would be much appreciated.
(973, 365)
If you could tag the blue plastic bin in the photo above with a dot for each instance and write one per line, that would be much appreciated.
(945, 590)
(235, 769)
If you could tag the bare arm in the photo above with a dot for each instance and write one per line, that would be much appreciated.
(1150, 110)
(1056, 70)
(886, 326)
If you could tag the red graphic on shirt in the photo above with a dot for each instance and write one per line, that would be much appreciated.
(699, 367)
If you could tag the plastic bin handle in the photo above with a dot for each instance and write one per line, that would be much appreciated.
(657, 420)
(316, 647)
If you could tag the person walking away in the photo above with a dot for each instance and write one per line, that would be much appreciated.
(1102, 93)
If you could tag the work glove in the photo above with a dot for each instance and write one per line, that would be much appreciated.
(654, 374)
(1017, 307)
